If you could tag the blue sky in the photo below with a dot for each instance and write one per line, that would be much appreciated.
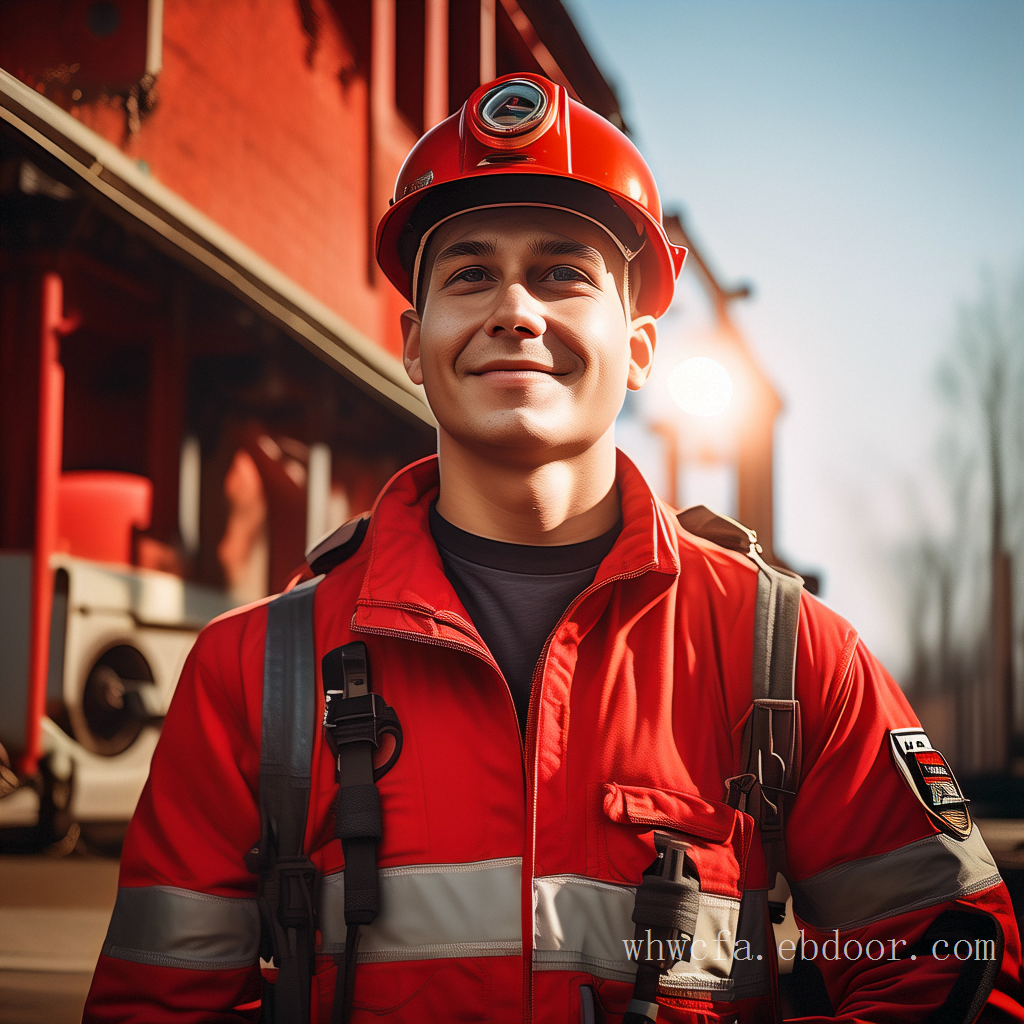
(860, 162)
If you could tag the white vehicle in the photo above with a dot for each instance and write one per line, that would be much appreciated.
(118, 638)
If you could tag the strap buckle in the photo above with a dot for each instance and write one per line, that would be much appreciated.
(295, 882)
(352, 719)
(665, 913)
(353, 713)
(365, 719)
(668, 899)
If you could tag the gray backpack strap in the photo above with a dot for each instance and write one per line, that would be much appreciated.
(288, 880)
(771, 740)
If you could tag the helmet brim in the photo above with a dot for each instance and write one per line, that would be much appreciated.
(403, 233)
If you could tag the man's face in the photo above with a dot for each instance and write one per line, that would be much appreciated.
(523, 343)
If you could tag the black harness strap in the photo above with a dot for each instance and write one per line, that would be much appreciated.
(356, 720)
(287, 878)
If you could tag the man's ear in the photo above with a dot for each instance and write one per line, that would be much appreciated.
(643, 336)
(411, 345)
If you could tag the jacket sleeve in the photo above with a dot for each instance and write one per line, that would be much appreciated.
(904, 920)
(183, 942)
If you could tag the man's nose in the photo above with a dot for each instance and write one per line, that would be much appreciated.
(517, 314)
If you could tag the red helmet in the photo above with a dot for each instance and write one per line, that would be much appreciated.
(521, 141)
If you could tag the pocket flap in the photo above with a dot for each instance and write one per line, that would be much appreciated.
(667, 808)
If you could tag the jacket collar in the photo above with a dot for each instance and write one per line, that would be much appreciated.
(405, 588)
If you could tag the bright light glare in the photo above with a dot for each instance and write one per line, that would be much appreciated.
(700, 386)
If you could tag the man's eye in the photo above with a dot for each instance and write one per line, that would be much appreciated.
(567, 274)
(471, 275)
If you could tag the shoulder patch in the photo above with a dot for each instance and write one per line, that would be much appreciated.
(339, 546)
(931, 780)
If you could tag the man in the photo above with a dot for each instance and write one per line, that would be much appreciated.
(572, 672)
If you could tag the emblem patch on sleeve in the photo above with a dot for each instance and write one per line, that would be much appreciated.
(931, 780)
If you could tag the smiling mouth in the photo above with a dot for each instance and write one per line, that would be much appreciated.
(517, 370)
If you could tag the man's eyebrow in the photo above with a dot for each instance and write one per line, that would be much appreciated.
(458, 250)
(566, 247)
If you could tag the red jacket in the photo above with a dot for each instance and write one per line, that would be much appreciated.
(508, 866)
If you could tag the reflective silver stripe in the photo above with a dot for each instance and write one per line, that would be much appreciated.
(170, 927)
(920, 874)
(581, 924)
(433, 911)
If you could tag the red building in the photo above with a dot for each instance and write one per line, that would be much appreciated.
(188, 193)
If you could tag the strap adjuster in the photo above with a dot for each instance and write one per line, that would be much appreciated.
(295, 879)
(364, 719)
(351, 719)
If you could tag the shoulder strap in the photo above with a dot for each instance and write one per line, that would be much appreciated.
(288, 879)
(336, 547)
(771, 739)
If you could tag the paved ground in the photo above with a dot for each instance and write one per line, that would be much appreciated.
(54, 913)
(53, 916)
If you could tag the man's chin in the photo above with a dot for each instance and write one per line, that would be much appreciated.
(522, 436)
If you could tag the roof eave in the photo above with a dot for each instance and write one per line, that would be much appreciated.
(188, 235)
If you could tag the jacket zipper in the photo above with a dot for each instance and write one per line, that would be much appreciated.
(529, 741)
(536, 692)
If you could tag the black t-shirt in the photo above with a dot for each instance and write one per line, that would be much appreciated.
(516, 593)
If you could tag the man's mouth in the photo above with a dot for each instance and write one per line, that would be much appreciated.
(515, 368)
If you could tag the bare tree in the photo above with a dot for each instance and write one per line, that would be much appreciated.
(934, 569)
(965, 584)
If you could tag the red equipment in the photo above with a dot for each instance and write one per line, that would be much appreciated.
(51, 423)
(522, 141)
(97, 510)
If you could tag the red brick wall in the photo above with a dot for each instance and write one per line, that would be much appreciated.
(273, 148)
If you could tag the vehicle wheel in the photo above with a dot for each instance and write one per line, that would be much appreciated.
(112, 713)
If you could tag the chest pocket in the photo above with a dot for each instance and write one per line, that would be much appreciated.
(731, 956)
